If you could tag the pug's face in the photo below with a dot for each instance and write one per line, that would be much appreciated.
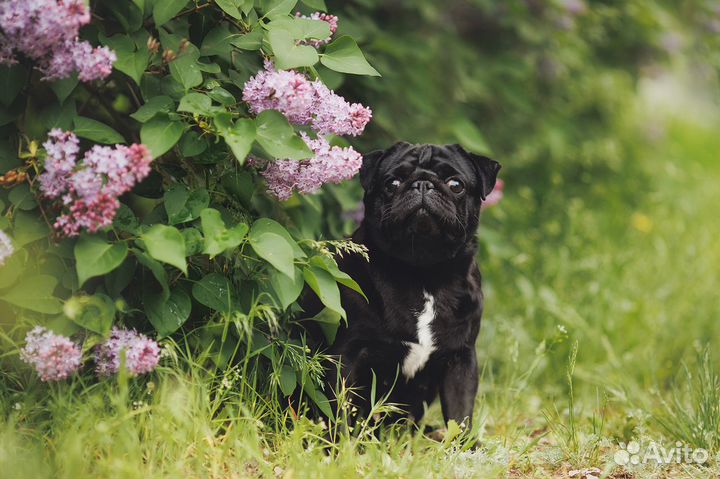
(422, 201)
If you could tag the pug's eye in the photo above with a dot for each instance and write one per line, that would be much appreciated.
(455, 185)
(392, 184)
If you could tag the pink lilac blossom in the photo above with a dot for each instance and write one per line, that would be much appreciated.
(54, 357)
(330, 164)
(496, 194)
(304, 102)
(331, 20)
(88, 190)
(142, 354)
(46, 31)
(6, 247)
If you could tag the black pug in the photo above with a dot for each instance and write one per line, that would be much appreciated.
(417, 331)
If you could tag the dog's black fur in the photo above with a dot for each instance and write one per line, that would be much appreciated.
(421, 240)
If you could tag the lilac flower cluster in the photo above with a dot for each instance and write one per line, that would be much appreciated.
(142, 354)
(304, 102)
(54, 357)
(330, 164)
(46, 31)
(6, 247)
(331, 20)
(89, 191)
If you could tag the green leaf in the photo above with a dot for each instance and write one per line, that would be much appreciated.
(320, 400)
(278, 138)
(94, 313)
(182, 205)
(277, 8)
(275, 250)
(329, 265)
(185, 69)
(222, 96)
(316, 4)
(288, 380)
(132, 53)
(28, 228)
(156, 268)
(195, 102)
(96, 131)
(155, 105)
(287, 289)
(302, 28)
(192, 144)
(230, 7)
(329, 323)
(95, 257)
(64, 87)
(344, 55)
(468, 135)
(289, 54)
(164, 10)
(240, 185)
(217, 237)
(249, 41)
(324, 285)
(11, 270)
(167, 315)
(266, 225)
(216, 292)
(35, 293)
(218, 41)
(239, 136)
(166, 244)
(12, 80)
(160, 134)
(194, 241)
(22, 197)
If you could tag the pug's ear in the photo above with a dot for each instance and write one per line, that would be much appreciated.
(371, 162)
(485, 169)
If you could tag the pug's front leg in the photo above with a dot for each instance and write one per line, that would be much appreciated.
(459, 387)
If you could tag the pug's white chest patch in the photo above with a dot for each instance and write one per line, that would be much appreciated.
(419, 353)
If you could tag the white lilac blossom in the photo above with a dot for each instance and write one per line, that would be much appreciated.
(46, 31)
(142, 354)
(6, 247)
(54, 357)
(88, 190)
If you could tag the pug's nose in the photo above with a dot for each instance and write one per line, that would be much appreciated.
(422, 185)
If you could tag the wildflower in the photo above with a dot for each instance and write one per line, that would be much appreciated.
(330, 164)
(496, 194)
(142, 354)
(89, 190)
(331, 20)
(6, 247)
(304, 102)
(47, 32)
(54, 357)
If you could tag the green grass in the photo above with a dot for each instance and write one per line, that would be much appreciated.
(601, 301)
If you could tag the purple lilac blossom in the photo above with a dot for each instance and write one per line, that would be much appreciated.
(6, 247)
(142, 354)
(54, 357)
(89, 190)
(330, 164)
(46, 31)
(331, 20)
(304, 102)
